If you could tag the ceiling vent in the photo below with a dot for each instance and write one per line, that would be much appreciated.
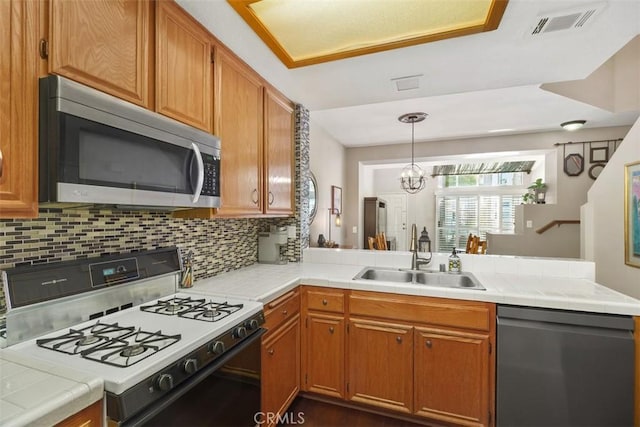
(566, 20)
(407, 83)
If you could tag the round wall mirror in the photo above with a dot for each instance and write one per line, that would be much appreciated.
(313, 195)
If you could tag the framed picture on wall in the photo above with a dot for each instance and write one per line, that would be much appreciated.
(336, 199)
(632, 214)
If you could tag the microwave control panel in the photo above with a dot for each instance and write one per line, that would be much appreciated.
(211, 185)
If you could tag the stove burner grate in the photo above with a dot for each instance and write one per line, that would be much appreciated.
(76, 340)
(131, 349)
(174, 306)
(211, 311)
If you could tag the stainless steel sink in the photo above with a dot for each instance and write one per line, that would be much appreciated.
(419, 277)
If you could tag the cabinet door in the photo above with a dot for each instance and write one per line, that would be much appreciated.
(452, 376)
(19, 64)
(324, 355)
(91, 416)
(381, 364)
(184, 69)
(103, 44)
(278, 154)
(239, 125)
(281, 368)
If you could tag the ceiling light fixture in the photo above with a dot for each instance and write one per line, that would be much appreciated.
(412, 179)
(573, 124)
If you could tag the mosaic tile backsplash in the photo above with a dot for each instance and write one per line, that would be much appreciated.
(218, 245)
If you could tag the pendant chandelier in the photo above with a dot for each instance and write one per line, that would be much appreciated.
(412, 179)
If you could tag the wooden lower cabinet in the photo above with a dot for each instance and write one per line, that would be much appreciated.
(324, 355)
(451, 376)
(91, 416)
(280, 356)
(381, 364)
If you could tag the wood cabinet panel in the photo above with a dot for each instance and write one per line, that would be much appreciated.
(19, 68)
(91, 416)
(434, 311)
(239, 111)
(280, 379)
(280, 310)
(324, 365)
(278, 154)
(104, 44)
(184, 69)
(451, 376)
(323, 299)
(381, 364)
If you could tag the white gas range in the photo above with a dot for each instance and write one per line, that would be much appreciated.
(120, 318)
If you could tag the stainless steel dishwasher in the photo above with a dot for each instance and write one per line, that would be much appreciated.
(563, 368)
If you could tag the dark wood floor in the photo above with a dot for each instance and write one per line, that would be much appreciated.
(320, 414)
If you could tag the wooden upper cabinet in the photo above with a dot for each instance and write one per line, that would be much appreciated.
(184, 68)
(104, 44)
(278, 154)
(19, 69)
(238, 117)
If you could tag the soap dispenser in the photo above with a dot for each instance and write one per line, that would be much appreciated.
(455, 266)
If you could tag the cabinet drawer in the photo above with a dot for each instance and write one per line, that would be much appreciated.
(433, 311)
(281, 309)
(325, 300)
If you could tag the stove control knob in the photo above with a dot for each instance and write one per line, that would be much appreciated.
(164, 382)
(252, 324)
(216, 347)
(190, 366)
(240, 332)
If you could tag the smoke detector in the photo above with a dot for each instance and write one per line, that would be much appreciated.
(568, 19)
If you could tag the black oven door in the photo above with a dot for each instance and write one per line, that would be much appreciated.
(226, 393)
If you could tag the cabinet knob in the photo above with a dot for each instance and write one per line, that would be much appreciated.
(429, 344)
(285, 312)
(270, 352)
(254, 193)
(331, 329)
(325, 302)
(399, 339)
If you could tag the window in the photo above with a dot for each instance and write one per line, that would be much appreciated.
(476, 204)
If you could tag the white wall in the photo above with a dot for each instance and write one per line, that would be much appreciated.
(605, 213)
(327, 162)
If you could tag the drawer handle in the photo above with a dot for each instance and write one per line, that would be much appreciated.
(285, 312)
(429, 344)
(271, 198)
(331, 329)
(254, 200)
(325, 302)
(270, 352)
(399, 339)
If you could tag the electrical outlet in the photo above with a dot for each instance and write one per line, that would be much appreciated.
(529, 224)
(354, 230)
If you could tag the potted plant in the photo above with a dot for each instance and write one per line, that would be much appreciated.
(537, 192)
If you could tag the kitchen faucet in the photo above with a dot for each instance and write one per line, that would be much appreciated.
(416, 261)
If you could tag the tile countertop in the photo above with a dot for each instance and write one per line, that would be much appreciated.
(537, 282)
(35, 393)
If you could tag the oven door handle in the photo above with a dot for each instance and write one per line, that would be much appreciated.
(200, 178)
(150, 412)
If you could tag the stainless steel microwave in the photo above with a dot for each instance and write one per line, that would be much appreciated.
(98, 149)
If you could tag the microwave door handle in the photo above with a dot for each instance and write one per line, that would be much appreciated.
(200, 180)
